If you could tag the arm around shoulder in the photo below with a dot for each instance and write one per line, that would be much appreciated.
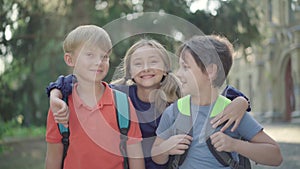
(63, 83)
(232, 114)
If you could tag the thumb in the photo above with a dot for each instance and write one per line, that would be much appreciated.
(62, 106)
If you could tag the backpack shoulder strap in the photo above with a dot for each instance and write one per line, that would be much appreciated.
(184, 106)
(62, 128)
(65, 133)
(225, 158)
(123, 119)
(183, 125)
(184, 122)
(122, 110)
(219, 105)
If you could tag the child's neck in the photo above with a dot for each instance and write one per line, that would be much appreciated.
(90, 93)
(144, 94)
(205, 97)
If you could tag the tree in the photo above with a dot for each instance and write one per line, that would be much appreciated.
(32, 31)
(24, 76)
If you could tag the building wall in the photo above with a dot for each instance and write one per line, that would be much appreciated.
(262, 72)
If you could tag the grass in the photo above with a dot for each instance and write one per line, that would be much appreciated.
(13, 130)
(24, 132)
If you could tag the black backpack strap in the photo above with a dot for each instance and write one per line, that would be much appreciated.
(186, 127)
(123, 119)
(244, 162)
(183, 125)
(65, 142)
(223, 157)
(226, 159)
(173, 162)
(65, 133)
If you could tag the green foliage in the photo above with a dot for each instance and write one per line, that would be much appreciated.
(5, 126)
(38, 28)
(15, 129)
(23, 132)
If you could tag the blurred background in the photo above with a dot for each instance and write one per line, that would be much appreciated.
(265, 34)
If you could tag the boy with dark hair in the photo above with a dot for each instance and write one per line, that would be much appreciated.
(204, 65)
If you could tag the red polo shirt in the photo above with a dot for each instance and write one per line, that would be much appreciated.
(94, 133)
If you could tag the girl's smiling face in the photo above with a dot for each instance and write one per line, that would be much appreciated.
(147, 67)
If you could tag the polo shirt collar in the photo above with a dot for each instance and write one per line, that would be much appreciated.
(106, 99)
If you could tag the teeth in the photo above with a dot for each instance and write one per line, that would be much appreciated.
(147, 76)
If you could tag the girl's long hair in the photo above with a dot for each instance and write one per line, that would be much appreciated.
(169, 90)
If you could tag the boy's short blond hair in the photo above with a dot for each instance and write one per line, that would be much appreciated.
(87, 35)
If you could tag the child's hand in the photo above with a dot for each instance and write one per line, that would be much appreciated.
(222, 142)
(59, 108)
(233, 113)
(178, 144)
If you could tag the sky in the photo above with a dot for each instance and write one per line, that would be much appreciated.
(207, 5)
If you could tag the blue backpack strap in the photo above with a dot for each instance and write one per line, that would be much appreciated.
(62, 128)
(123, 119)
(122, 110)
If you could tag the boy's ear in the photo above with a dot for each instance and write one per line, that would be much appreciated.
(212, 70)
(69, 59)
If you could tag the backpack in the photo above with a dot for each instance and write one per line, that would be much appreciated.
(184, 126)
(123, 116)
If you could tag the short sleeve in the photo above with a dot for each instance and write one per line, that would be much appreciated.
(52, 132)
(63, 83)
(165, 128)
(248, 127)
(232, 93)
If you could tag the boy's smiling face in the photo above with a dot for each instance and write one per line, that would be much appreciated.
(91, 63)
(191, 76)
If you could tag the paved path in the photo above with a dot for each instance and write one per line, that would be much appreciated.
(288, 136)
(30, 153)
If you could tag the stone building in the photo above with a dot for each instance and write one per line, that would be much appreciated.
(269, 72)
